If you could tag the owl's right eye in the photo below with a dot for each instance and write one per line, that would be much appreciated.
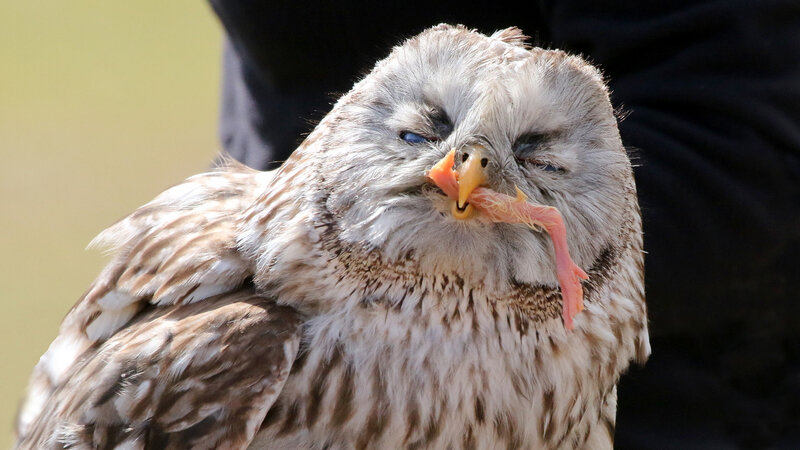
(413, 138)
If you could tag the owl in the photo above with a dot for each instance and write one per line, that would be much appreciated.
(350, 300)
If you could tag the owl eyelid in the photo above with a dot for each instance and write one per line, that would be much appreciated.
(540, 164)
(413, 137)
(546, 166)
(525, 152)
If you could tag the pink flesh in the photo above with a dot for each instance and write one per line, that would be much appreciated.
(504, 208)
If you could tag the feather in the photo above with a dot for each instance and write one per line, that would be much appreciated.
(337, 303)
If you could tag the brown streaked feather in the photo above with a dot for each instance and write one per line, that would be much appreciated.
(179, 248)
(203, 374)
(417, 332)
(601, 436)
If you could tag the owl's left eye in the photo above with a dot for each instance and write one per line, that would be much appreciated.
(413, 138)
(547, 167)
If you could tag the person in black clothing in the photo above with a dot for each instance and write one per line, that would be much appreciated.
(711, 94)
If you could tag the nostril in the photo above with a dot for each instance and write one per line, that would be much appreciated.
(484, 162)
(464, 157)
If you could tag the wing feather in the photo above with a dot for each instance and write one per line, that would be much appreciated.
(200, 375)
(179, 249)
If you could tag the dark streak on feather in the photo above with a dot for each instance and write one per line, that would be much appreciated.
(343, 407)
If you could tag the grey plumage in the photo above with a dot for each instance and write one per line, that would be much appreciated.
(401, 326)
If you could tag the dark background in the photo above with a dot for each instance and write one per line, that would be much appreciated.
(711, 95)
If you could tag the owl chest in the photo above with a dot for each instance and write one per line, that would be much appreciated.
(389, 382)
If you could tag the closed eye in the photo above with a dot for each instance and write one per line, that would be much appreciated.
(547, 167)
(527, 150)
(414, 138)
(541, 164)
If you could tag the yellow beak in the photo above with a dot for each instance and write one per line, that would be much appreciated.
(470, 176)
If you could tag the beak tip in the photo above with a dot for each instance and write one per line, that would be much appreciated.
(462, 213)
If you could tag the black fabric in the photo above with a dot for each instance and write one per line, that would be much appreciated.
(711, 90)
(287, 62)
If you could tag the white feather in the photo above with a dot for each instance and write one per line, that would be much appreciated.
(109, 321)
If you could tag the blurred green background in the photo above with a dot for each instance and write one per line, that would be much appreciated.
(102, 106)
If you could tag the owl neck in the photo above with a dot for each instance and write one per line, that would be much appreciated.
(344, 277)
(302, 259)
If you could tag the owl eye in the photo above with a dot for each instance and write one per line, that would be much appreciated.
(547, 167)
(525, 149)
(541, 165)
(413, 138)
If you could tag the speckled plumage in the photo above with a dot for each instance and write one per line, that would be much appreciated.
(335, 303)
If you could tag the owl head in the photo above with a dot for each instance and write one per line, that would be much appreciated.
(540, 120)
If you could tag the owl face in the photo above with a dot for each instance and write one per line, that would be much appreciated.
(542, 122)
